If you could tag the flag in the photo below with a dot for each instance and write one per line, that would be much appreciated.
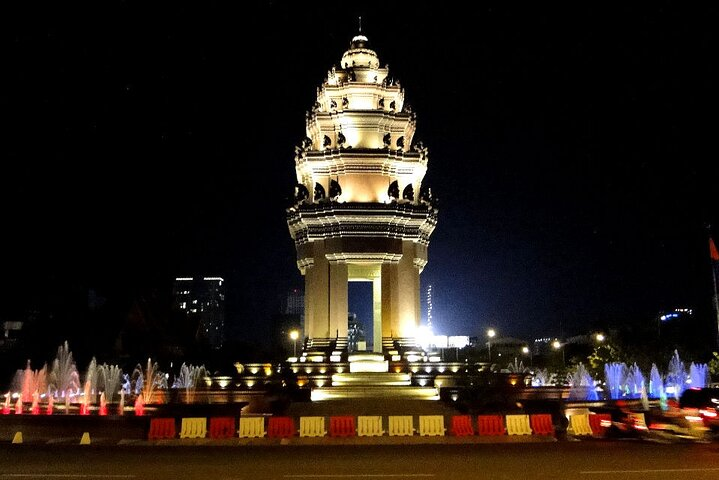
(713, 252)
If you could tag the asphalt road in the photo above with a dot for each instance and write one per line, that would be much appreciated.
(590, 460)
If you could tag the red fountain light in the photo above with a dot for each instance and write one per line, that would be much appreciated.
(139, 406)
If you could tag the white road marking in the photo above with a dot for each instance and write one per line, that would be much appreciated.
(658, 470)
(61, 475)
(363, 475)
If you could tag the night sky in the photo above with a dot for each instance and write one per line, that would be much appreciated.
(572, 150)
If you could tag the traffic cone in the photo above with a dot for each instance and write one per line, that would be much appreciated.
(85, 440)
(17, 438)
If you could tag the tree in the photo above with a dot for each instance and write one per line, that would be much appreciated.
(603, 354)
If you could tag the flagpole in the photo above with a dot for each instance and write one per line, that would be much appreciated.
(714, 256)
(715, 298)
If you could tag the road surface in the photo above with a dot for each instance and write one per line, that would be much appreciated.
(586, 460)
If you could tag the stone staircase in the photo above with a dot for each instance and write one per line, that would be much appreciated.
(368, 378)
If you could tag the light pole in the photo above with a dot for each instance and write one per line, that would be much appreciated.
(294, 335)
(557, 345)
(490, 335)
(527, 351)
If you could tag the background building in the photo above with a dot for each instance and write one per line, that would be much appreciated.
(202, 300)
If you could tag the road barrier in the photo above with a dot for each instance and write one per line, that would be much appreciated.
(369, 426)
(280, 427)
(342, 427)
(312, 427)
(161, 428)
(252, 427)
(518, 425)
(400, 426)
(462, 426)
(600, 423)
(490, 425)
(222, 427)
(431, 426)
(542, 424)
(194, 427)
(579, 424)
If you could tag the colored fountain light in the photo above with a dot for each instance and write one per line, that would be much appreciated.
(6, 405)
(121, 407)
(103, 405)
(188, 380)
(582, 385)
(50, 403)
(18, 406)
(139, 406)
(63, 378)
(35, 407)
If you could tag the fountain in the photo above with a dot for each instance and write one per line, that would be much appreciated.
(6, 405)
(676, 377)
(103, 405)
(64, 378)
(517, 367)
(121, 407)
(581, 385)
(656, 384)
(35, 407)
(85, 404)
(91, 377)
(698, 374)
(634, 382)
(139, 406)
(18, 406)
(28, 380)
(542, 378)
(109, 377)
(146, 383)
(188, 379)
(50, 403)
(614, 375)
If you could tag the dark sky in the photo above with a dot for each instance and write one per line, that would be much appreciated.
(573, 151)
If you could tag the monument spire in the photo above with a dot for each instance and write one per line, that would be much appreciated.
(359, 139)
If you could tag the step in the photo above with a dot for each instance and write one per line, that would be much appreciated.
(373, 391)
(371, 378)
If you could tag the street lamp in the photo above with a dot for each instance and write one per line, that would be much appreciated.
(600, 337)
(557, 345)
(490, 335)
(527, 351)
(294, 335)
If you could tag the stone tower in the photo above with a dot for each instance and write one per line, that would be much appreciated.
(361, 212)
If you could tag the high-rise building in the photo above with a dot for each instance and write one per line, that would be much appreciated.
(294, 302)
(202, 299)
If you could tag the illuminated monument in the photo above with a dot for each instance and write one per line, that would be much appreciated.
(361, 212)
